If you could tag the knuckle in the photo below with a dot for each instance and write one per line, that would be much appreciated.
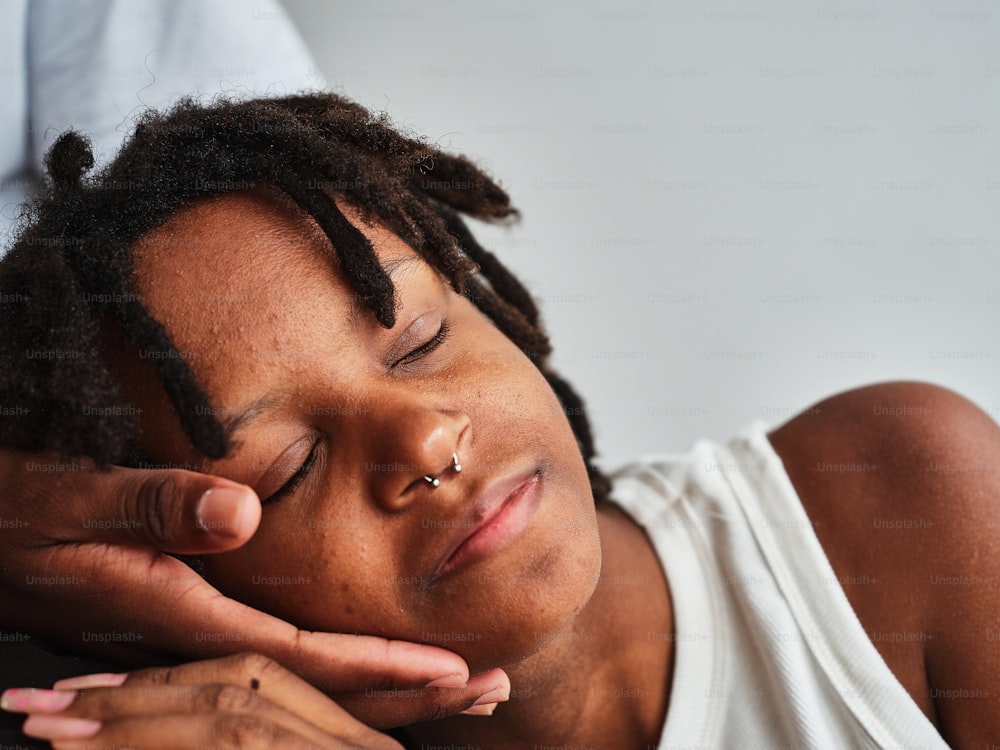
(240, 730)
(226, 699)
(154, 505)
(384, 684)
(156, 675)
(254, 665)
(95, 704)
(438, 710)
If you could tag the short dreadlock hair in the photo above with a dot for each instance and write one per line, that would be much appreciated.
(71, 267)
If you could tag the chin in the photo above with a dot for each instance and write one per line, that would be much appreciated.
(512, 617)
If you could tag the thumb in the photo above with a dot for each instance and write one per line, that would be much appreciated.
(176, 511)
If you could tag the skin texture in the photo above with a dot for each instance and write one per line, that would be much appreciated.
(319, 371)
(245, 701)
(104, 532)
(914, 539)
(365, 527)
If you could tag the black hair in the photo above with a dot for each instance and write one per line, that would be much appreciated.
(70, 269)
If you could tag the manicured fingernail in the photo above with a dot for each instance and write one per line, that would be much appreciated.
(485, 709)
(220, 511)
(26, 700)
(449, 681)
(104, 679)
(60, 727)
(499, 695)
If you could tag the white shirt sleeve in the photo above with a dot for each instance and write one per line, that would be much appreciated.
(14, 183)
(93, 65)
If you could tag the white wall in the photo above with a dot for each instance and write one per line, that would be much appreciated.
(730, 210)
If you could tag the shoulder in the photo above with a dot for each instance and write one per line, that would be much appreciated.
(902, 481)
(914, 447)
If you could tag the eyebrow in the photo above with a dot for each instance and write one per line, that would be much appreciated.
(248, 414)
(395, 269)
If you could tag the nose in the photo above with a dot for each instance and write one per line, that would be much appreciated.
(410, 446)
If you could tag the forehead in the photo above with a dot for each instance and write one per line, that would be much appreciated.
(254, 244)
(227, 236)
(244, 275)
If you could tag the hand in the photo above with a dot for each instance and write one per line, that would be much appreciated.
(81, 554)
(247, 701)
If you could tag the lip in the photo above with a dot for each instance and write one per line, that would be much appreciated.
(500, 516)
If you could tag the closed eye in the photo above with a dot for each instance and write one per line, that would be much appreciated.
(289, 487)
(424, 349)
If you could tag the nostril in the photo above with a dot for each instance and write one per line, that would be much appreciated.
(434, 480)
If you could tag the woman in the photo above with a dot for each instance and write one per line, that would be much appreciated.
(282, 292)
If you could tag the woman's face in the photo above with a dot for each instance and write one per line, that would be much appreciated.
(349, 418)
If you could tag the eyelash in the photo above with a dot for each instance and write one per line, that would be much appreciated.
(424, 349)
(302, 472)
(295, 479)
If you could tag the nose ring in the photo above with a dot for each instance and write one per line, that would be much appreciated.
(455, 466)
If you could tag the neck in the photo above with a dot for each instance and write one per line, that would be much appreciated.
(602, 683)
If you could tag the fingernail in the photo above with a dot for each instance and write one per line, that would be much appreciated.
(220, 511)
(497, 695)
(449, 681)
(104, 679)
(60, 727)
(486, 709)
(26, 700)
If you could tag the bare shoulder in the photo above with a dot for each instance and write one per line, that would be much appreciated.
(902, 483)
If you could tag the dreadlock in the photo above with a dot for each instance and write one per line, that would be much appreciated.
(72, 268)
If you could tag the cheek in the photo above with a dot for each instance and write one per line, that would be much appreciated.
(320, 573)
(324, 571)
(551, 573)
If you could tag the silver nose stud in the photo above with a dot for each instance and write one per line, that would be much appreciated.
(455, 466)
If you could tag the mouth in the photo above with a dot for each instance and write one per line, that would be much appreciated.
(500, 516)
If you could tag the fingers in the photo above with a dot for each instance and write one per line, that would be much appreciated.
(176, 511)
(393, 708)
(247, 701)
(382, 708)
(183, 614)
(108, 705)
(169, 732)
(252, 678)
(91, 537)
(182, 512)
(242, 701)
(350, 662)
(223, 731)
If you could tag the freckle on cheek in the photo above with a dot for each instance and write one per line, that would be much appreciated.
(345, 591)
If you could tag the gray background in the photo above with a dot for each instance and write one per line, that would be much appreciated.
(729, 210)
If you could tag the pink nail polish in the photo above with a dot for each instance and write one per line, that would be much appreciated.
(448, 681)
(60, 727)
(103, 679)
(483, 709)
(26, 700)
(497, 695)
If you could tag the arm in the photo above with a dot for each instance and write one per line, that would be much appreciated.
(956, 454)
(921, 529)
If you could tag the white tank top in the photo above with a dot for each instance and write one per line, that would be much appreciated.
(769, 653)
